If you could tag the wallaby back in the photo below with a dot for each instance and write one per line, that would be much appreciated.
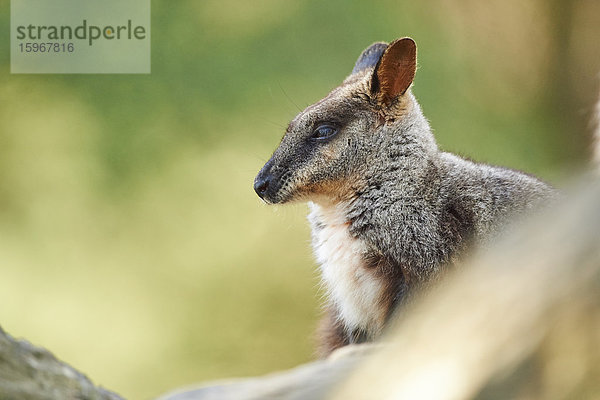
(389, 210)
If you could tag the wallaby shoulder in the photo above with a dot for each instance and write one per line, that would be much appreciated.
(488, 196)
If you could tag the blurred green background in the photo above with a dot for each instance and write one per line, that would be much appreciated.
(131, 242)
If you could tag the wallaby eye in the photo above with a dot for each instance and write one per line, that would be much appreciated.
(324, 132)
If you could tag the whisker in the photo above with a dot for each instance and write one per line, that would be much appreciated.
(288, 97)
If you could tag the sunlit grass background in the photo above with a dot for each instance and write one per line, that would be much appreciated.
(131, 242)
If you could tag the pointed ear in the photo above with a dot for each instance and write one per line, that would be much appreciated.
(369, 57)
(395, 70)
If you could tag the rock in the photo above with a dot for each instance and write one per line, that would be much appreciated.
(28, 372)
(310, 381)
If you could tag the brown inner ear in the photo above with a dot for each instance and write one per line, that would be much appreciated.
(395, 70)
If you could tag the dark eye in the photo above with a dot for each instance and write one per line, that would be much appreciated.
(324, 132)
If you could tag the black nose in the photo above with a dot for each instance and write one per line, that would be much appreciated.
(261, 185)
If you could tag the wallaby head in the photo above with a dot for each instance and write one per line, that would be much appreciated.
(328, 149)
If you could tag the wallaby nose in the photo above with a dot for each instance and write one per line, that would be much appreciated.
(261, 185)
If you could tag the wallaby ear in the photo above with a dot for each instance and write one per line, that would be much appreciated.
(395, 70)
(369, 57)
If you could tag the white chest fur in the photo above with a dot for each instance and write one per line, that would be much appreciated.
(352, 289)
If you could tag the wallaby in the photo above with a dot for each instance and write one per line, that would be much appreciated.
(389, 210)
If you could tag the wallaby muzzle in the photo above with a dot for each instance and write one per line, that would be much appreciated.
(269, 182)
(262, 182)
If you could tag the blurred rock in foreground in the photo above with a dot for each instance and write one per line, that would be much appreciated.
(309, 381)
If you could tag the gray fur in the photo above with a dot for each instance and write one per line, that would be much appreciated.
(415, 207)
